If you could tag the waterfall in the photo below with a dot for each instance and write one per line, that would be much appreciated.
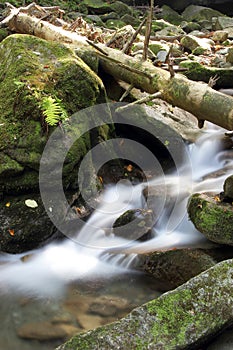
(48, 270)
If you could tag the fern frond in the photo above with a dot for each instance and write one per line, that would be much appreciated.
(53, 110)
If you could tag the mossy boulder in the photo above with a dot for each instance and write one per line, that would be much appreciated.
(134, 224)
(212, 217)
(171, 15)
(197, 71)
(199, 13)
(184, 318)
(192, 42)
(31, 69)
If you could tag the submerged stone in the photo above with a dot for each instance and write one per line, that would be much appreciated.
(183, 318)
(212, 217)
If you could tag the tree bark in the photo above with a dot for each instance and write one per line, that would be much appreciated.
(195, 97)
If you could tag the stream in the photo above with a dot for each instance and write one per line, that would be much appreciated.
(90, 281)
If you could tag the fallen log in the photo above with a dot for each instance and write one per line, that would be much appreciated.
(195, 97)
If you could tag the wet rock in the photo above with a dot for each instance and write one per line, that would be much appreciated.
(212, 217)
(175, 267)
(228, 188)
(44, 331)
(22, 227)
(183, 318)
(134, 224)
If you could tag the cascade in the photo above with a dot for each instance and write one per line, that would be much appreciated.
(50, 269)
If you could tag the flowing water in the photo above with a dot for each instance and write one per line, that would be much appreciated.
(79, 271)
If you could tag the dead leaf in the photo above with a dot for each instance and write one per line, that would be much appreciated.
(129, 168)
(11, 232)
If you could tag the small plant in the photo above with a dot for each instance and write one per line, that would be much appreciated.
(53, 110)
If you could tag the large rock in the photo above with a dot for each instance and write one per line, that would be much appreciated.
(225, 6)
(212, 217)
(199, 13)
(23, 227)
(191, 42)
(32, 68)
(183, 318)
(174, 267)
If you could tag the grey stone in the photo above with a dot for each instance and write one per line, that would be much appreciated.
(199, 13)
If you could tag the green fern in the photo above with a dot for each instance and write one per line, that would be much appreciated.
(53, 110)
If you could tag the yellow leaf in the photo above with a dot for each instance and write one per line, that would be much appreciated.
(217, 199)
(8, 204)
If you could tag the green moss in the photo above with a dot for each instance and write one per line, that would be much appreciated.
(168, 321)
(32, 68)
(183, 318)
(199, 72)
(9, 166)
(212, 218)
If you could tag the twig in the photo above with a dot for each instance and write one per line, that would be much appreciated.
(97, 47)
(111, 40)
(213, 80)
(170, 62)
(148, 30)
(129, 44)
(142, 100)
(126, 93)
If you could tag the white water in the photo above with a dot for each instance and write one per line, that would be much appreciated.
(49, 270)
